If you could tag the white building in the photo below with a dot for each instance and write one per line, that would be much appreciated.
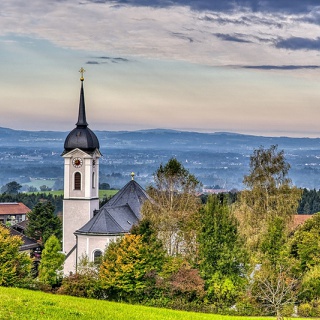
(87, 230)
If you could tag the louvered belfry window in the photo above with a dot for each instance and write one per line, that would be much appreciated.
(77, 181)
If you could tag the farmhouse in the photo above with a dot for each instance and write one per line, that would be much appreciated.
(13, 212)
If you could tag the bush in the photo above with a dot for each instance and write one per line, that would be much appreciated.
(81, 285)
(311, 309)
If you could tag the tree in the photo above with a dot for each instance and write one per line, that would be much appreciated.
(104, 186)
(11, 188)
(45, 188)
(174, 209)
(222, 258)
(126, 264)
(274, 288)
(32, 189)
(269, 195)
(51, 264)
(42, 223)
(15, 266)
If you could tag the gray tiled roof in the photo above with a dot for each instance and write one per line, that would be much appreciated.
(132, 194)
(119, 214)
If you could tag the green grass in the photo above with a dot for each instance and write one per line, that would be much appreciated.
(102, 193)
(40, 182)
(34, 305)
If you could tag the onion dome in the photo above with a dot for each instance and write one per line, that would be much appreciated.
(81, 137)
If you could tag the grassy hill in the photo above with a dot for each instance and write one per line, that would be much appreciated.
(34, 305)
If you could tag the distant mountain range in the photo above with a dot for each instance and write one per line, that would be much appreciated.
(220, 158)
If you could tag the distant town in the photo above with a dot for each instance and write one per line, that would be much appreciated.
(218, 160)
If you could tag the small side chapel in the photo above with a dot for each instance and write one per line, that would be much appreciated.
(88, 229)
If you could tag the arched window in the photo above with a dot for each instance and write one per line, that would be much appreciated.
(77, 181)
(97, 255)
(93, 182)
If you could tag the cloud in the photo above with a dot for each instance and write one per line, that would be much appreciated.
(205, 32)
(297, 43)
(105, 59)
(289, 6)
(284, 67)
(182, 36)
(229, 37)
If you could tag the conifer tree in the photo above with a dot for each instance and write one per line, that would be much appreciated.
(43, 223)
(222, 257)
(51, 265)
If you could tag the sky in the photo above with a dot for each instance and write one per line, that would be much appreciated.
(244, 66)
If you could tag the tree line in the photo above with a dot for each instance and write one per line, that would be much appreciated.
(229, 256)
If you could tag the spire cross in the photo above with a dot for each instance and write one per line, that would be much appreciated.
(82, 71)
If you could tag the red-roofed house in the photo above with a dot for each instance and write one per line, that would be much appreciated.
(13, 212)
(299, 219)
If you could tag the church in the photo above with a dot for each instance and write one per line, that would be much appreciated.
(88, 229)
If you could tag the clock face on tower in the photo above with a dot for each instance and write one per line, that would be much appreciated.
(77, 162)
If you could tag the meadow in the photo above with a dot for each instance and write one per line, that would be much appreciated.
(35, 305)
(102, 193)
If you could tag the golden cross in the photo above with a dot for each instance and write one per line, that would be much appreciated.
(82, 71)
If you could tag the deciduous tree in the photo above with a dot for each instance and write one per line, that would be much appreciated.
(12, 187)
(126, 263)
(269, 195)
(15, 266)
(174, 209)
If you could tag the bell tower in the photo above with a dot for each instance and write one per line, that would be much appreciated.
(81, 181)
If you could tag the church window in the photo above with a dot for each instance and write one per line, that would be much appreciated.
(97, 255)
(93, 182)
(77, 181)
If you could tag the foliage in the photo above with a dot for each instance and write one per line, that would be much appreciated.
(178, 279)
(51, 264)
(311, 284)
(43, 223)
(268, 197)
(310, 202)
(222, 258)
(273, 242)
(305, 244)
(12, 187)
(275, 287)
(25, 305)
(125, 266)
(174, 209)
(15, 266)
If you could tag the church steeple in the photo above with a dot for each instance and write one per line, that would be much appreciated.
(81, 137)
(82, 121)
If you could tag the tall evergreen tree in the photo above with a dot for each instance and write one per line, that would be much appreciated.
(43, 223)
(222, 258)
(51, 265)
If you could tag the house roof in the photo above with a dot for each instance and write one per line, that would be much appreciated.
(299, 219)
(13, 208)
(27, 244)
(119, 213)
